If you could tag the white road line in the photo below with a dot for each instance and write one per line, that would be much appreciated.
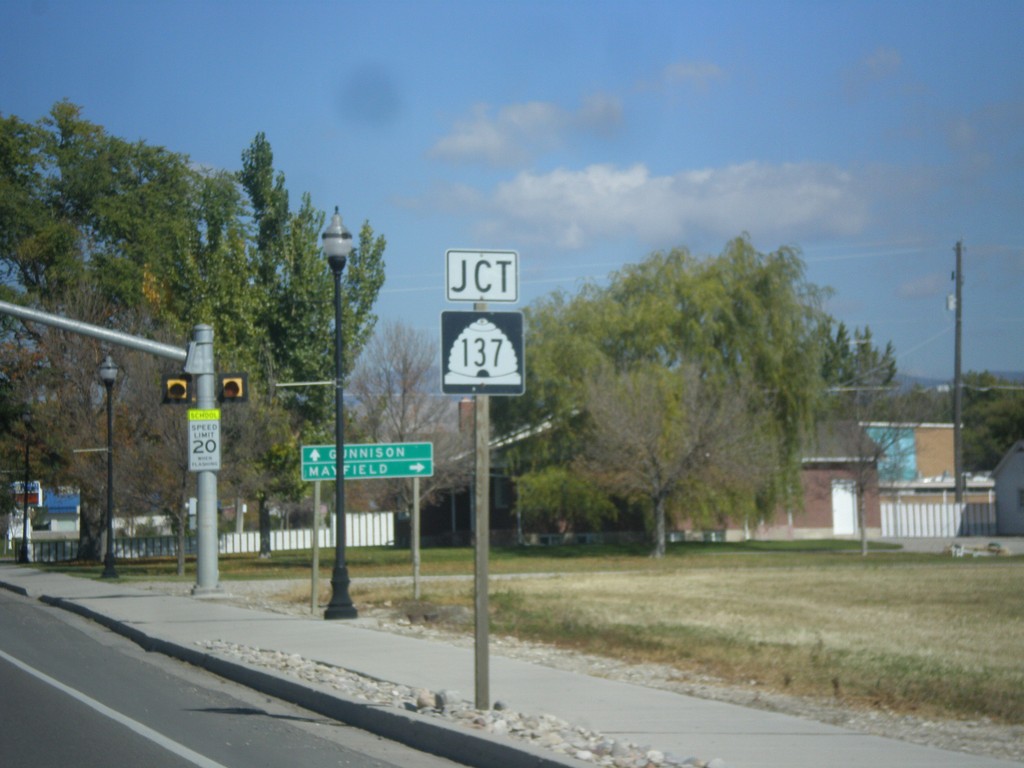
(148, 733)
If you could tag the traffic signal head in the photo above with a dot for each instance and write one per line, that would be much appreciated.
(233, 388)
(177, 389)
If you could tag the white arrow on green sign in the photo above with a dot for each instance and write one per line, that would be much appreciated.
(368, 461)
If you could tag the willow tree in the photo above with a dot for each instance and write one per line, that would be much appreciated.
(740, 319)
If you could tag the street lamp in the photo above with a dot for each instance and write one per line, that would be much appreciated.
(108, 375)
(337, 247)
(26, 418)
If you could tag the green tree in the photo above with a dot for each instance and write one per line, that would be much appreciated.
(294, 286)
(209, 279)
(672, 438)
(153, 246)
(294, 308)
(561, 498)
(741, 319)
(139, 225)
(993, 419)
(83, 202)
(854, 369)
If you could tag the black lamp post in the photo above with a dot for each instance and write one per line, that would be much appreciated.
(108, 375)
(337, 247)
(26, 418)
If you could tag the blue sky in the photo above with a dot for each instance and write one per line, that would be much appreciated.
(587, 134)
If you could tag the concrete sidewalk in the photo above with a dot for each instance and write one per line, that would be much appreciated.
(670, 722)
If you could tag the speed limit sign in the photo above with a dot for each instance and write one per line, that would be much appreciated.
(204, 440)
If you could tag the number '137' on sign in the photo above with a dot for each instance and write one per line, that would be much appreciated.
(482, 353)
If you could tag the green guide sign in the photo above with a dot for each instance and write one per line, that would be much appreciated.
(369, 461)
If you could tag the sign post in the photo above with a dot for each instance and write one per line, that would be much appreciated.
(314, 587)
(482, 556)
(482, 355)
(415, 543)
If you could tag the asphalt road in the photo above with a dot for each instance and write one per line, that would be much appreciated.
(74, 694)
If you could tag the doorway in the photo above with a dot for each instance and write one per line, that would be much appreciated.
(844, 507)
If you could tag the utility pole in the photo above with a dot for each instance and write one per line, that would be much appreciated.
(958, 385)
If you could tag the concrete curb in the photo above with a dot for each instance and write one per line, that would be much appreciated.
(15, 589)
(479, 750)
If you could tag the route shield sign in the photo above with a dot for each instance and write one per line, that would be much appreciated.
(369, 461)
(482, 353)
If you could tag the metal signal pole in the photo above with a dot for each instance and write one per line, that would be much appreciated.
(198, 360)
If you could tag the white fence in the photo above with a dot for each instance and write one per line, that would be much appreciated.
(937, 519)
(362, 529)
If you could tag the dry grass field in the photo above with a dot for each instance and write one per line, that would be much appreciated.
(936, 637)
(927, 634)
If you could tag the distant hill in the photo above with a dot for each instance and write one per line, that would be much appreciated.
(909, 382)
(1014, 376)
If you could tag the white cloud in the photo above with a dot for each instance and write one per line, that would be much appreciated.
(925, 287)
(574, 208)
(696, 74)
(684, 75)
(601, 113)
(519, 131)
(881, 64)
(987, 137)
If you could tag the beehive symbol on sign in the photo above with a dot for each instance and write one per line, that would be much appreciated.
(482, 354)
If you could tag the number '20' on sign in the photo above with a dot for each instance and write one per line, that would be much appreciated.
(204, 446)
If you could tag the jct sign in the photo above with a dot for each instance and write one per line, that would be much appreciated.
(482, 275)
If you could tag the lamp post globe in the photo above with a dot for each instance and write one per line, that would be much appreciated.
(337, 243)
(26, 418)
(337, 246)
(108, 375)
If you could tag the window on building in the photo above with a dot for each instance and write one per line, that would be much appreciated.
(501, 489)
